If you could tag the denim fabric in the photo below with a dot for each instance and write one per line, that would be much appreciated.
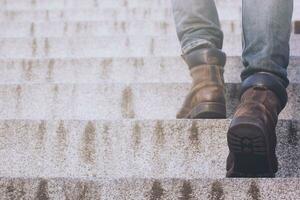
(266, 32)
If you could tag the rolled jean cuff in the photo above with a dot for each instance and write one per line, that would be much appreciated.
(197, 44)
(269, 81)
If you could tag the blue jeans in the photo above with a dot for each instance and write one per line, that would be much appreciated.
(266, 32)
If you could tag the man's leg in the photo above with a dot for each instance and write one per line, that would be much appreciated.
(199, 32)
(251, 136)
(266, 31)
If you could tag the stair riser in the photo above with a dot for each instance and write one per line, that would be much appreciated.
(109, 47)
(86, 15)
(57, 4)
(128, 70)
(119, 149)
(101, 28)
(92, 14)
(167, 189)
(111, 101)
(88, 29)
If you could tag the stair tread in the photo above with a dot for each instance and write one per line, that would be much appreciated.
(111, 100)
(114, 70)
(80, 47)
(189, 149)
(57, 4)
(84, 14)
(168, 189)
(101, 28)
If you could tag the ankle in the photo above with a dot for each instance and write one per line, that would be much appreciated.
(208, 56)
(264, 86)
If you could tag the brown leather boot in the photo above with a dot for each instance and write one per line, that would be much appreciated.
(251, 136)
(207, 96)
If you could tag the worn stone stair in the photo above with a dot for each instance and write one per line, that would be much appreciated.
(82, 4)
(112, 70)
(102, 28)
(71, 4)
(129, 148)
(89, 91)
(43, 11)
(123, 46)
(111, 100)
(168, 189)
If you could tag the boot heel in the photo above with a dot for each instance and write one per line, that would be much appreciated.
(248, 147)
(209, 110)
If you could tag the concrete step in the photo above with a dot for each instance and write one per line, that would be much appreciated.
(98, 28)
(66, 4)
(111, 101)
(101, 14)
(101, 28)
(110, 46)
(87, 28)
(57, 4)
(115, 70)
(81, 14)
(149, 189)
(159, 149)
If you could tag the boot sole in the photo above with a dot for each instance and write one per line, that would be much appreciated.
(247, 144)
(209, 110)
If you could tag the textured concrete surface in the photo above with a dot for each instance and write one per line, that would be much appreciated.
(111, 101)
(87, 28)
(67, 4)
(116, 70)
(97, 14)
(92, 14)
(149, 189)
(129, 148)
(110, 46)
(57, 4)
(101, 28)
